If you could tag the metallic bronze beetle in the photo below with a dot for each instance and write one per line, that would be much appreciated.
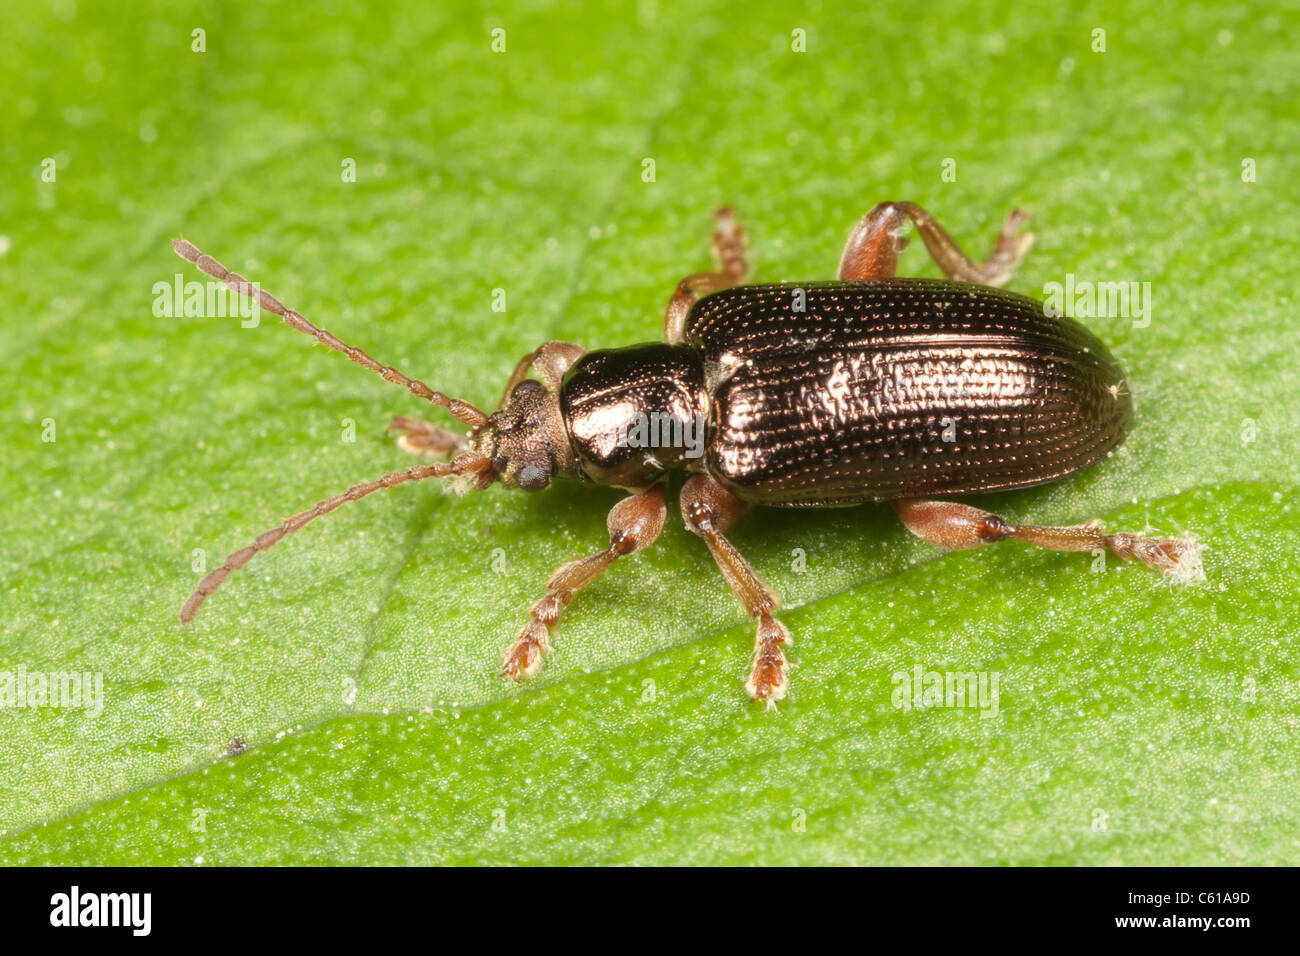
(869, 388)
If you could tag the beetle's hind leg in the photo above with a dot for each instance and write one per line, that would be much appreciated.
(634, 523)
(422, 438)
(957, 527)
(873, 246)
(733, 269)
(709, 510)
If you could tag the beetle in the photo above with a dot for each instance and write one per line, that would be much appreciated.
(869, 388)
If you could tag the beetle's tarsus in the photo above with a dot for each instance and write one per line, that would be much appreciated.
(1011, 247)
(1178, 558)
(767, 677)
(525, 656)
(729, 246)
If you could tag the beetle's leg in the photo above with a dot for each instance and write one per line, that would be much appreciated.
(634, 523)
(550, 360)
(957, 527)
(423, 438)
(733, 268)
(873, 247)
(710, 510)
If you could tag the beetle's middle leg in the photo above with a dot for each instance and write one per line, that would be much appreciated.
(710, 510)
(955, 526)
(419, 437)
(733, 268)
(873, 246)
(634, 523)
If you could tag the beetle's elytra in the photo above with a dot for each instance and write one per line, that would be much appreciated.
(842, 400)
(869, 388)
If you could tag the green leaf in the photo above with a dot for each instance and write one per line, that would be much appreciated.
(338, 701)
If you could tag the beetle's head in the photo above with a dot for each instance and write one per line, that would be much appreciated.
(525, 439)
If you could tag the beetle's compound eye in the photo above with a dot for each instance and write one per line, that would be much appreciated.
(527, 389)
(532, 477)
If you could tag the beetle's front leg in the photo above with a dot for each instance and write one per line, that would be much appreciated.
(634, 523)
(549, 361)
(955, 526)
(710, 510)
(873, 247)
(733, 268)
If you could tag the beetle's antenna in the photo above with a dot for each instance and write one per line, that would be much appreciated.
(468, 464)
(462, 411)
